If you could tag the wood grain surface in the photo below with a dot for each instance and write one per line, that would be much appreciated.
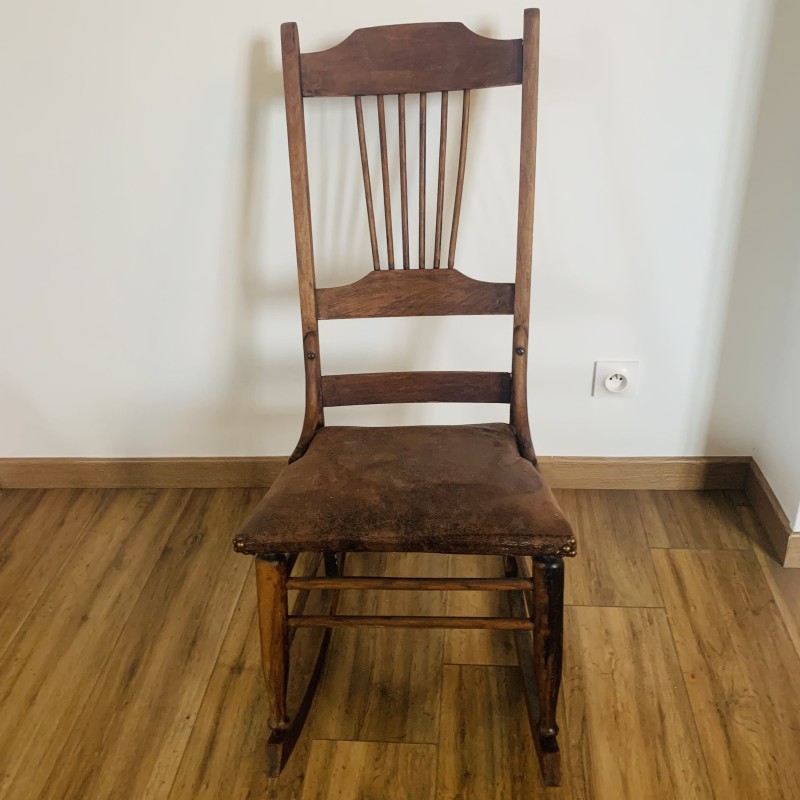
(562, 472)
(414, 293)
(130, 667)
(394, 59)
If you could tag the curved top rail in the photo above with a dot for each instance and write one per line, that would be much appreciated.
(413, 58)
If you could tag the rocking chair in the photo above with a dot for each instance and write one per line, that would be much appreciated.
(469, 489)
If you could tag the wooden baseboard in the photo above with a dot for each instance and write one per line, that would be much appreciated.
(561, 472)
(703, 472)
(139, 473)
(785, 542)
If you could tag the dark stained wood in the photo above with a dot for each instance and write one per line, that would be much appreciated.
(437, 241)
(374, 621)
(301, 204)
(415, 58)
(416, 387)
(423, 149)
(399, 59)
(282, 741)
(462, 163)
(362, 147)
(387, 189)
(414, 294)
(302, 596)
(548, 632)
(539, 656)
(527, 177)
(401, 121)
(414, 584)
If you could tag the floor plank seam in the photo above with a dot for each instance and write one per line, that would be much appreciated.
(49, 583)
(208, 684)
(121, 630)
(688, 696)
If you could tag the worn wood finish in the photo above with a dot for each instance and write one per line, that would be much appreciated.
(412, 59)
(548, 624)
(401, 122)
(416, 387)
(422, 58)
(398, 621)
(414, 293)
(414, 584)
(437, 236)
(304, 242)
(362, 147)
(522, 280)
(387, 189)
(423, 165)
(272, 614)
(736, 655)
(462, 163)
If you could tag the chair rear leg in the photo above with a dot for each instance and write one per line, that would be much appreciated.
(548, 618)
(271, 573)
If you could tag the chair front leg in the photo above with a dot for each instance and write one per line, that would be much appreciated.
(271, 573)
(548, 618)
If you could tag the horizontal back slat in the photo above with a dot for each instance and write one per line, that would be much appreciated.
(414, 293)
(422, 57)
(375, 388)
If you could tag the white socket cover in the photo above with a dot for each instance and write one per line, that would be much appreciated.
(616, 379)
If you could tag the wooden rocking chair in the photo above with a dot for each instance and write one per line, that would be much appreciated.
(471, 489)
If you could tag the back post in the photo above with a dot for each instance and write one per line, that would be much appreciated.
(527, 180)
(301, 204)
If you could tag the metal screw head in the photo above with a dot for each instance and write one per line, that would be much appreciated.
(311, 356)
(520, 351)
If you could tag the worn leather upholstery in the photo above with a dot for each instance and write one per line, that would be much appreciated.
(436, 488)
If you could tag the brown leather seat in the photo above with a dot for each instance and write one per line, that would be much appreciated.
(435, 488)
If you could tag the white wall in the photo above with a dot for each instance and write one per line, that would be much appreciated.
(778, 445)
(148, 302)
(757, 405)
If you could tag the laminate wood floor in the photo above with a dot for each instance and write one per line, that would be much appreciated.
(129, 663)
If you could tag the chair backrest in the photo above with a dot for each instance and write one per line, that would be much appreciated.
(401, 60)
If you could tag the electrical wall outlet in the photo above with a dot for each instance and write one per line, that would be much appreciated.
(616, 379)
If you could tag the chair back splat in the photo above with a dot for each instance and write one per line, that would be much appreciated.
(404, 64)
